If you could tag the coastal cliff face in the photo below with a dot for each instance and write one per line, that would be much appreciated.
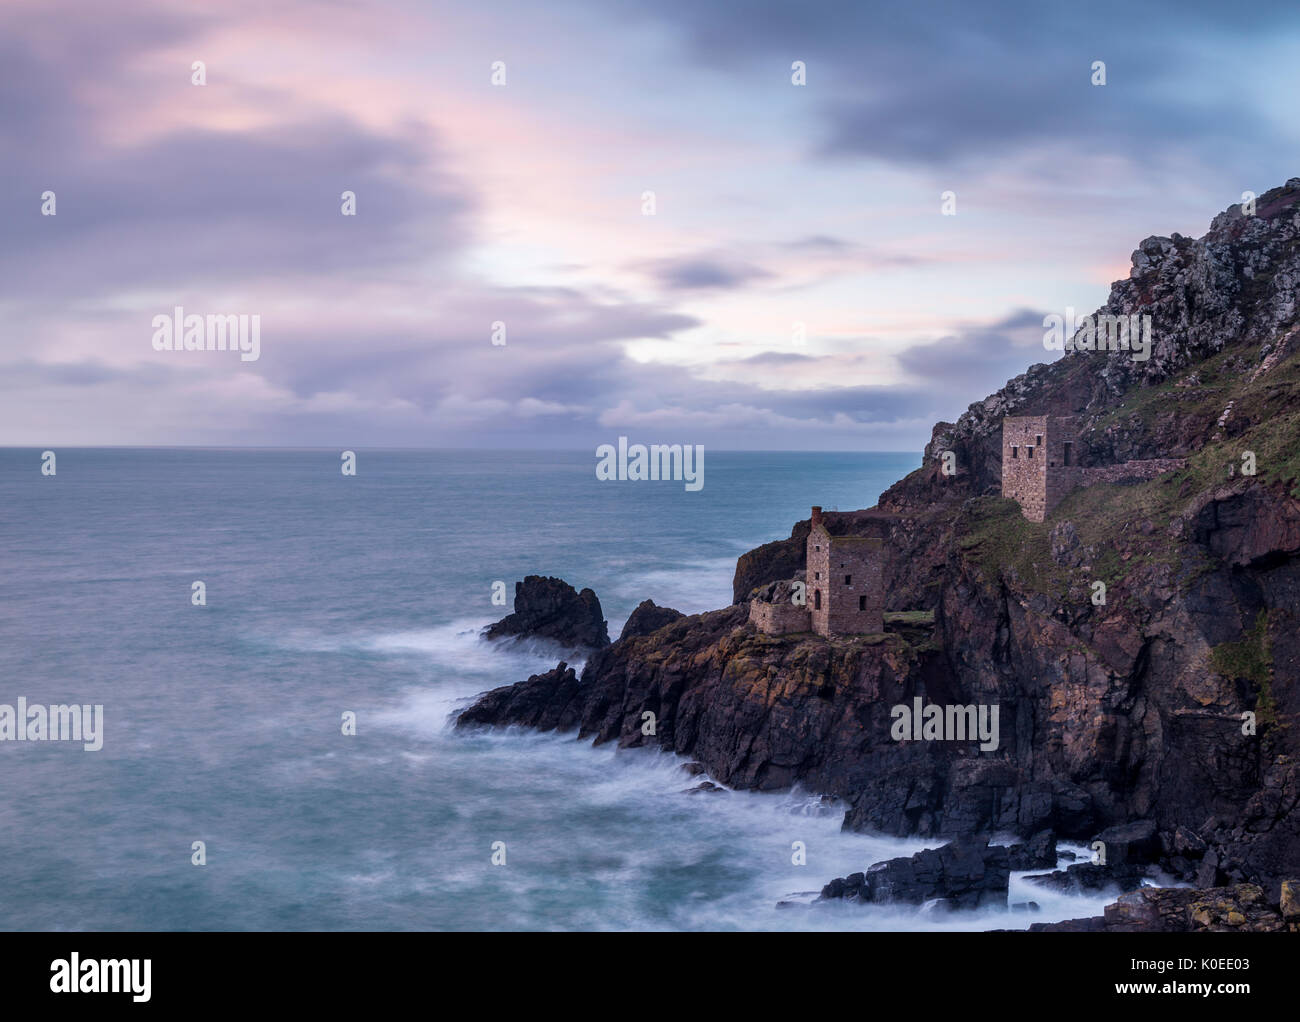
(1169, 694)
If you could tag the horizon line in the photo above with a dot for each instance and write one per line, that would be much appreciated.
(361, 447)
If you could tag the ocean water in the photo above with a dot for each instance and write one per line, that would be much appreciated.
(329, 594)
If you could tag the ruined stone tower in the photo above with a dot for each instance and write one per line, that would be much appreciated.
(1039, 462)
(845, 582)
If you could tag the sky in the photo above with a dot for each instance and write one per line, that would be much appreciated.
(796, 285)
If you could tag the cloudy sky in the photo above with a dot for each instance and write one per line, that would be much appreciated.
(775, 205)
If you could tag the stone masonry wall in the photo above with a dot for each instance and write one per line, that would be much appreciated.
(1024, 469)
(1039, 462)
(779, 618)
(1132, 471)
(845, 576)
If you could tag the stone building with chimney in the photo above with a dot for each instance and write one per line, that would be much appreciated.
(842, 588)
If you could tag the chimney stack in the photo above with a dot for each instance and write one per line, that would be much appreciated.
(816, 516)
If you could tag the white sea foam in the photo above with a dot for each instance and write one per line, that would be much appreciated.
(595, 828)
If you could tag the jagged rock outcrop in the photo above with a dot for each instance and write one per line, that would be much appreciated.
(647, 619)
(550, 608)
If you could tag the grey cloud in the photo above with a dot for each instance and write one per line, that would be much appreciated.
(211, 207)
(932, 83)
(981, 358)
(704, 272)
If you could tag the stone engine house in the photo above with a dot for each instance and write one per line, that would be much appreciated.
(1039, 462)
(843, 588)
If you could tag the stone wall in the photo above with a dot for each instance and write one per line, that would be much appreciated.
(779, 618)
(1132, 471)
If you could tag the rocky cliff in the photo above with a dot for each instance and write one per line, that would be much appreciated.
(1141, 644)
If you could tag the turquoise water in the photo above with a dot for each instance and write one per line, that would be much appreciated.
(328, 594)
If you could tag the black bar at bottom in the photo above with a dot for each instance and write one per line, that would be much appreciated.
(585, 971)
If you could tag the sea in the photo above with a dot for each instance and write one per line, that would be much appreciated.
(228, 793)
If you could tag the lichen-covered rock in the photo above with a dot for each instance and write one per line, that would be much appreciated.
(1239, 907)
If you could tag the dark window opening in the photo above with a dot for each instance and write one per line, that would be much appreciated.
(817, 599)
(1038, 439)
(862, 603)
(848, 580)
(1066, 448)
(1029, 451)
(1015, 450)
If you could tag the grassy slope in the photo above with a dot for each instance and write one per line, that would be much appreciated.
(1129, 524)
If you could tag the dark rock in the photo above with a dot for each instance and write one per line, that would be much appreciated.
(1188, 843)
(545, 701)
(1087, 877)
(550, 608)
(1039, 852)
(1088, 924)
(963, 875)
(1131, 843)
(1209, 874)
(649, 618)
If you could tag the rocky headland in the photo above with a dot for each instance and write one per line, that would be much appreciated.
(1159, 721)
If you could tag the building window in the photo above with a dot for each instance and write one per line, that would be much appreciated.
(1038, 439)
(816, 575)
(818, 549)
(848, 580)
(862, 603)
(817, 599)
(1066, 447)
(1015, 450)
(1029, 451)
